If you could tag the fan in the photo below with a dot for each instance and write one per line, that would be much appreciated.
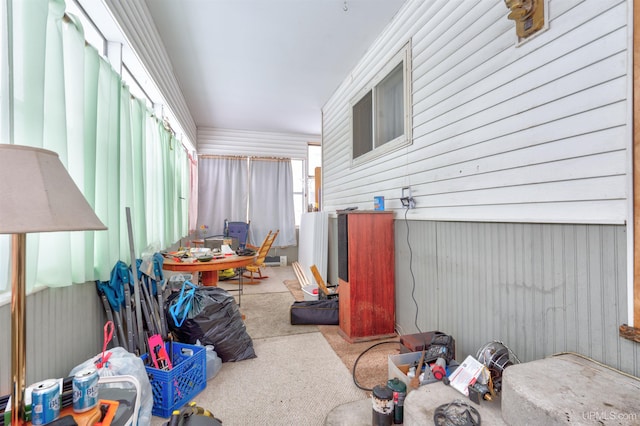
(496, 356)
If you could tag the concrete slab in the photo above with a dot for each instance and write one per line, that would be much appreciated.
(420, 405)
(569, 389)
(357, 413)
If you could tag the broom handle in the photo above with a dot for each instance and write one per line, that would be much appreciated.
(136, 285)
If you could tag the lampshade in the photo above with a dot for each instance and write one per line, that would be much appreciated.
(38, 195)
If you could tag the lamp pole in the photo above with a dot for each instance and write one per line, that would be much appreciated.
(18, 325)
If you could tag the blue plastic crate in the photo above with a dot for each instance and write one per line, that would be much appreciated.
(174, 388)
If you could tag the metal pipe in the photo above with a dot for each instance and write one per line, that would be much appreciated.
(136, 284)
(18, 325)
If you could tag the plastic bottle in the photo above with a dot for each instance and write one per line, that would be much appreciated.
(214, 363)
(399, 389)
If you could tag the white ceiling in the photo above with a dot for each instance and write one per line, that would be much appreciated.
(265, 65)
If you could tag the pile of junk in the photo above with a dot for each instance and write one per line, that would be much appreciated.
(429, 357)
(163, 340)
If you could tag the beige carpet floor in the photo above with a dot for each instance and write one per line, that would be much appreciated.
(297, 377)
(372, 367)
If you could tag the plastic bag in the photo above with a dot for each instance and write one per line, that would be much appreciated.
(122, 362)
(213, 318)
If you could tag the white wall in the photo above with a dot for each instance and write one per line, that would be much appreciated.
(249, 143)
(533, 133)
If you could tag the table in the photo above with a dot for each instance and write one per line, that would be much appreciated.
(208, 269)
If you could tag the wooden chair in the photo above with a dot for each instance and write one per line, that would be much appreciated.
(261, 254)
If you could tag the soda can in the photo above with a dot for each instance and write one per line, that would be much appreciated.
(45, 402)
(85, 390)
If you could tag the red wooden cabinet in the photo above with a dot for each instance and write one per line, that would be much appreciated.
(366, 272)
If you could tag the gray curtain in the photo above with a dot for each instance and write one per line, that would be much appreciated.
(222, 192)
(241, 189)
(271, 201)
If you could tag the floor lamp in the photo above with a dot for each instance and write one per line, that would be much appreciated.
(36, 195)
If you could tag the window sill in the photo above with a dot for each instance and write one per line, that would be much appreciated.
(630, 333)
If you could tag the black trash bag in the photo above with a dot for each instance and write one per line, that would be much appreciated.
(213, 317)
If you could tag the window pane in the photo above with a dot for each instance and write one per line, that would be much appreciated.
(298, 177)
(362, 126)
(390, 107)
(134, 87)
(315, 158)
(311, 185)
(297, 204)
(91, 33)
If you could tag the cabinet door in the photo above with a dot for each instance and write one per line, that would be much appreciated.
(370, 305)
(344, 307)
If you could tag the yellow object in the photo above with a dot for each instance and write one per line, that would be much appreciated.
(261, 255)
(227, 273)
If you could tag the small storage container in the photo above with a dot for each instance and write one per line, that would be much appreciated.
(173, 388)
(310, 292)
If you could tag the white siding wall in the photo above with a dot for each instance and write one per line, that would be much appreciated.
(133, 17)
(248, 143)
(532, 133)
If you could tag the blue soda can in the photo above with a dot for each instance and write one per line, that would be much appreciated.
(85, 390)
(45, 402)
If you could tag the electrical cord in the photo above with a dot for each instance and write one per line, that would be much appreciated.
(413, 278)
(413, 289)
(355, 364)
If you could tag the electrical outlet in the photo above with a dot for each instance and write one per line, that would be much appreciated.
(407, 200)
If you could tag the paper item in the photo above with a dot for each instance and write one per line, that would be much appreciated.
(225, 249)
(466, 374)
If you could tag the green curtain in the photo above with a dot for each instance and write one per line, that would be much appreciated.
(70, 100)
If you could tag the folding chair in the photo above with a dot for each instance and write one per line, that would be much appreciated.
(237, 230)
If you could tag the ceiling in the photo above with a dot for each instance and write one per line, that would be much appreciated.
(265, 65)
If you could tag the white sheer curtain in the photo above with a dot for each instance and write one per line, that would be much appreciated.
(271, 201)
(222, 192)
(4, 129)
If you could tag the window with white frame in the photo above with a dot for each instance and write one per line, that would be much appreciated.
(381, 112)
(304, 181)
(299, 199)
(314, 156)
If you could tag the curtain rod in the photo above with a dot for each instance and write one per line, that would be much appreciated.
(242, 157)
